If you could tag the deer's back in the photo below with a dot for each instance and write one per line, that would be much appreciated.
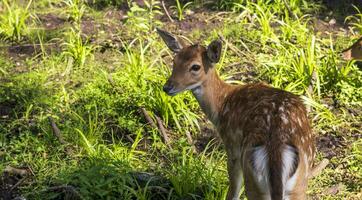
(256, 115)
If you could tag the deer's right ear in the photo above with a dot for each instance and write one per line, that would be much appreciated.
(214, 51)
(171, 41)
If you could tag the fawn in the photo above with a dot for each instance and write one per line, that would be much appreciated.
(354, 51)
(266, 132)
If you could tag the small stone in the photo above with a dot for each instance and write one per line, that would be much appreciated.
(332, 22)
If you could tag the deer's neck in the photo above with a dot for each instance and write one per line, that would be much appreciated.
(211, 96)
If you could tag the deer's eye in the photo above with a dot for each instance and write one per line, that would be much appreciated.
(195, 67)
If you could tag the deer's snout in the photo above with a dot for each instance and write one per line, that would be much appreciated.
(169, 88)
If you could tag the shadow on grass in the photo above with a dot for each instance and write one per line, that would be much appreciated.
(98, 178)
(340, 9)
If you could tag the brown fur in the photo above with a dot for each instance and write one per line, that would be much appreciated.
(354, 51)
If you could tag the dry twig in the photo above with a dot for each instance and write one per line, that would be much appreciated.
(162, 130)
(18, 183)
(160, 126)
(333, 190)
(191, 141)
(58, 135)
(148, 118)
(233, 64)
(165, 9)
(234, 48)
(69, 189)
(319, 168)
(13, 170)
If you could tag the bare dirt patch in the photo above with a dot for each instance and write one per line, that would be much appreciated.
(51, 21)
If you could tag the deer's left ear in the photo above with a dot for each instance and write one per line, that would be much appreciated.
(214, 51)
(170, 40)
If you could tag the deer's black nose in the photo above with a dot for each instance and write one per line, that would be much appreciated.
(167, 88)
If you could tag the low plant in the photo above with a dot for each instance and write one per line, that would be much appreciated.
(143, 19)
(13, 21)
(180, 9)
(75, 10)
(77, 49)
(356, 20)
(105, 3)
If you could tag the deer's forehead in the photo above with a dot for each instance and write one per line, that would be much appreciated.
(189, 54)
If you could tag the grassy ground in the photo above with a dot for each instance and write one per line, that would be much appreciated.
(78, 80)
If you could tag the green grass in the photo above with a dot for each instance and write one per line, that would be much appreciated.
(13, 25)
(180, 9)
(94, 87)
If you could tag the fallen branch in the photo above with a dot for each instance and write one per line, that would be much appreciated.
(231, 46)
(234, 48)
(16, 171)
(31, 170)
(190, 141)
(129, 138)
(56, 131)
(68, 189)
(162, 130)
(58, 135)
(165, 9)
(217, 15)
(148, 118)
(160, 126)
(233, 64)
(333, 190)
(18, 183)
(319, 168)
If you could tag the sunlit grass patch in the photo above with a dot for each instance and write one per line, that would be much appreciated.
(13, 21)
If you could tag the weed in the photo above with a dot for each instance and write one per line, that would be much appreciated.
(144, 18)
(356, 20)
(76, 49)
(13, 25)
(75, 10)
(181, 9)
(105, 3)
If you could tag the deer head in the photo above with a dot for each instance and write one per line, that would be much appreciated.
(192, 64)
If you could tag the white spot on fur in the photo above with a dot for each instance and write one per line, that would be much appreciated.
(284, 118)
(261, 170)
(268, 119)
(293, 130)
(302, 140)
(281, 108)
(299, 122)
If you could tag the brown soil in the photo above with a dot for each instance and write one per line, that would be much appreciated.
(51, 21)
(202, 20)
(331, 145)
(8, 186)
